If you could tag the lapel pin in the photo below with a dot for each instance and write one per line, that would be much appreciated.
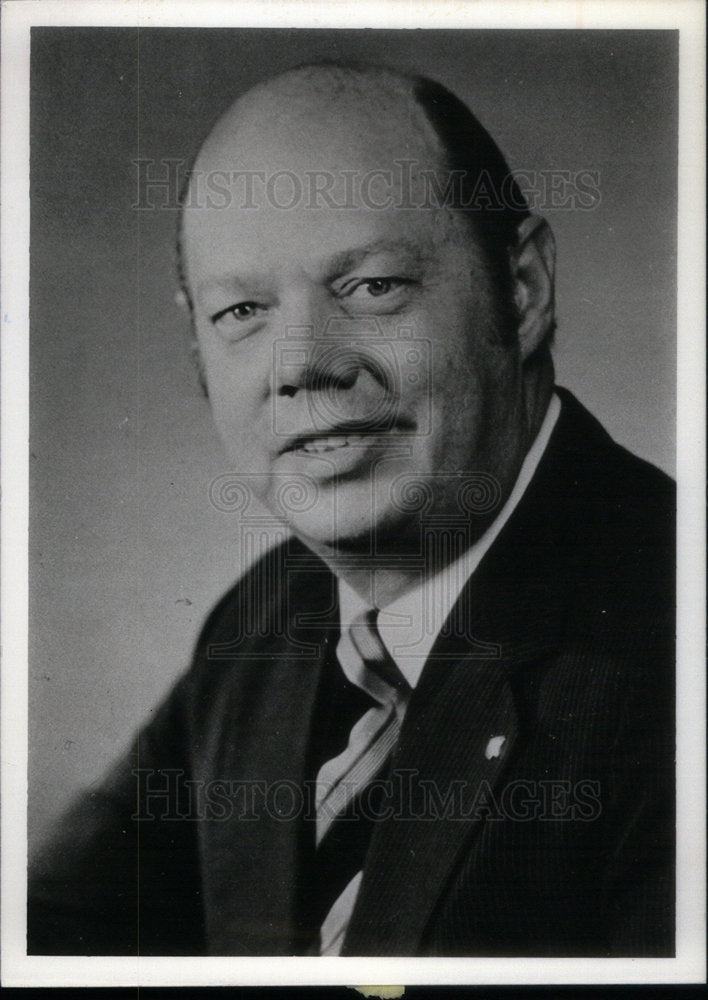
(494, 747)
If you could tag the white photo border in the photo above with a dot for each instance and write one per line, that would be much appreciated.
(19, 969)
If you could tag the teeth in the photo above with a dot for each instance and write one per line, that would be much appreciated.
(319, 445)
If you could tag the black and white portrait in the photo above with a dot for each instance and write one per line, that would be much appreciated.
(352, 554)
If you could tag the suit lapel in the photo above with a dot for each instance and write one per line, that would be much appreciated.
(264, 750)
(442, 772)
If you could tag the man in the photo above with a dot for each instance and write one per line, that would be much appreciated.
(438, 719)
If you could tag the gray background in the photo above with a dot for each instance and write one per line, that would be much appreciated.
(127, 553)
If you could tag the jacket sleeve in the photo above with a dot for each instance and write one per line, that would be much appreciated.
(120, 875)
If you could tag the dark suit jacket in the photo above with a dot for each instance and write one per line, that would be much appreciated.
(560, 845)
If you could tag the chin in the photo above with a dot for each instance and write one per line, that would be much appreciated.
(356, 534)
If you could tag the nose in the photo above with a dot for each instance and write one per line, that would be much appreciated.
(307, 362)
(332, 370)
(314, 354)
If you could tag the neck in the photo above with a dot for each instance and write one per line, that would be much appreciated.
(379, 579)
(381, 586)
(400, 566)
(538, 388)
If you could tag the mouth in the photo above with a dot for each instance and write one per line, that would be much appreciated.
(342, 436)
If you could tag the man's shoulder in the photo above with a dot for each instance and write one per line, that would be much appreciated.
(591, 559)
(607, 518)
(279, 567)
(605, 465)
(266, 604)
(267, 631)
(606, 489)
(592, 538)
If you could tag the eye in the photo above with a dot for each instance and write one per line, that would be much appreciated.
(379, 286)
(374, 288)
(242, 311)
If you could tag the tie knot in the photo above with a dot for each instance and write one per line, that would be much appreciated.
(369, 645)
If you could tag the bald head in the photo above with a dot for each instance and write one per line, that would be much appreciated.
(321, 104)
(328, 122)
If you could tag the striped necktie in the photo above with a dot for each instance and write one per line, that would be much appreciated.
(343, 828)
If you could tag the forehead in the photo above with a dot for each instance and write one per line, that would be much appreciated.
(300, 180)
(314, 120)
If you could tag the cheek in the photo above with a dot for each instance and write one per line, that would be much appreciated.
(468, 345)
(469, 382)
(236, 409)
(234, 380)
(453, 359)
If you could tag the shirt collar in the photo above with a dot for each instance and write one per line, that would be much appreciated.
(410, 625)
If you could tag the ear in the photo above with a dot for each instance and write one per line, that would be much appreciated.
(533, 262)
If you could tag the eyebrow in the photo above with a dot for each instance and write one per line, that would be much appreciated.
(338, 264)
(348, 259)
